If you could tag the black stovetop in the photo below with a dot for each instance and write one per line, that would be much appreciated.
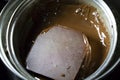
(5, 74)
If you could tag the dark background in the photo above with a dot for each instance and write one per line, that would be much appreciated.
(5, 74)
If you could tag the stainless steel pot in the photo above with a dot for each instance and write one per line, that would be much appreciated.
(17, 11)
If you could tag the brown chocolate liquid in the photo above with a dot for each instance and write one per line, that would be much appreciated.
(83, 18)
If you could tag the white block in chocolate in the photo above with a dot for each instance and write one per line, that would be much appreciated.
(58, 53)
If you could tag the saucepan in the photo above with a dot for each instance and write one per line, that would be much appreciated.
(13, 35)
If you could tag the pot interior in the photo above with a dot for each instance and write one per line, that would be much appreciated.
(26, 27)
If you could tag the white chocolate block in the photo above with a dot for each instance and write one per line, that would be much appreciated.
(57, 54)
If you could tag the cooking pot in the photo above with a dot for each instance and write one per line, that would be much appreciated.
(13, 32)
